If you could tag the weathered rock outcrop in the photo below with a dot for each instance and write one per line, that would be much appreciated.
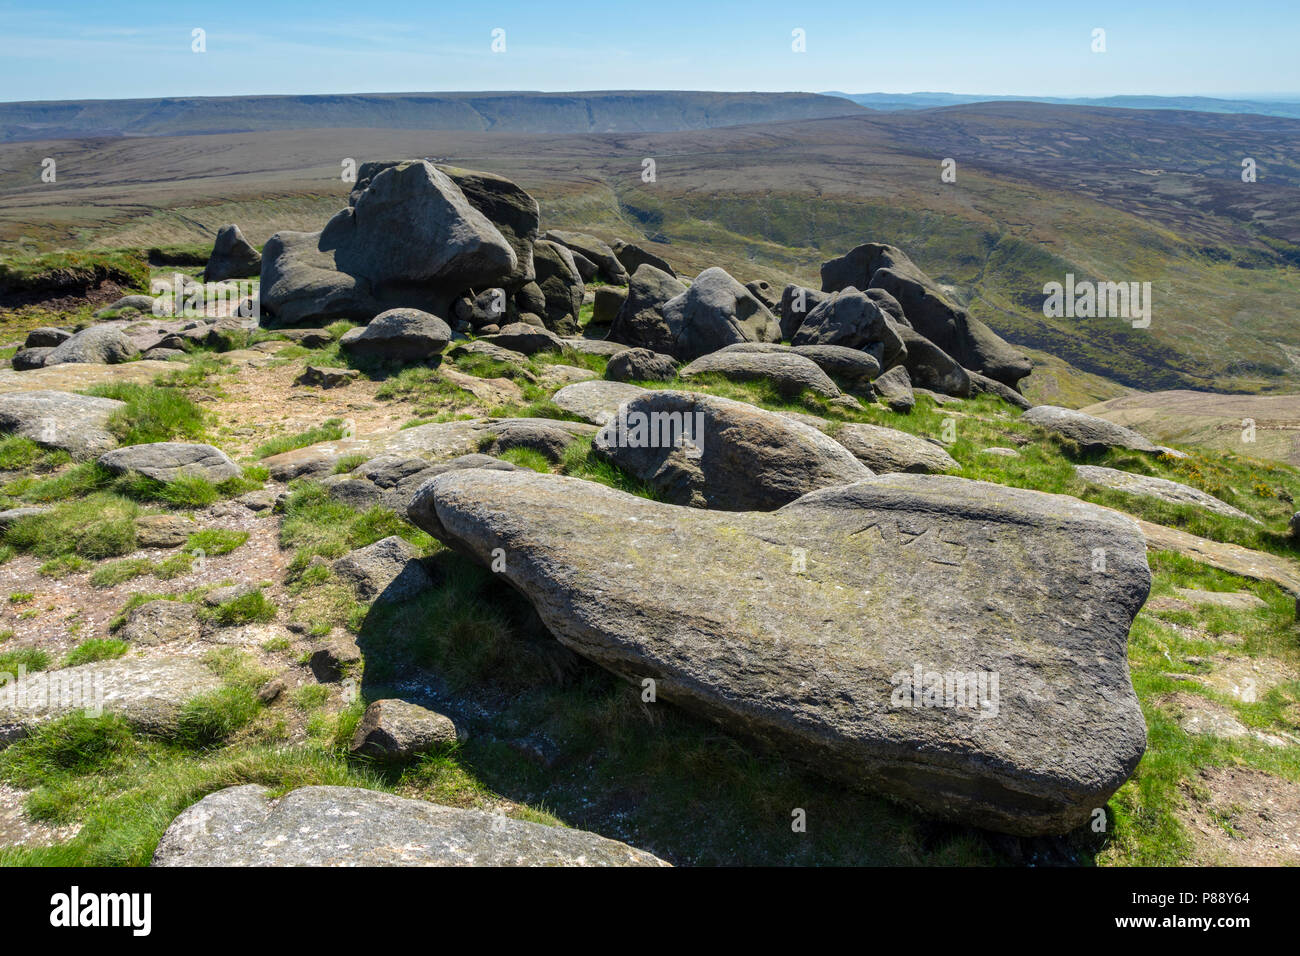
(968, 340)
(561, 287)
(633, 257)
(789, 373)
(97, 345)
(641, 365)
(945, 642)
(302, 285)
(390, 567)
(850, 319)
(418, 240)
(595, 251)
(403, 335)
(1149, 486)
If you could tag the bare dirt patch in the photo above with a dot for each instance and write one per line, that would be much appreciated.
(1240, 817)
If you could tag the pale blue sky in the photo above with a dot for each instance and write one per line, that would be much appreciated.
(125, 48)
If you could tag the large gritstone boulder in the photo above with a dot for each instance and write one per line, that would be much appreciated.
(968, 340)
(711, 452)
(931, 367)
(633, 257)
(233, 257)
(850, 319)
(714, 312)
(418, 240)
(404, 335)
(302, 285)
(889, 450)
(168, 460)
(97, 345)
(950, 644)
(77, 424)
(561, 287)
(790, 374)
(640, 320)
(796, 303)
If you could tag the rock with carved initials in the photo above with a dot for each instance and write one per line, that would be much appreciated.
(955, 645)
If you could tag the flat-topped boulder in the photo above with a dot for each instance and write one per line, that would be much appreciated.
(586, 346)
(74, 376)
(149, 693)
(432, 442)
(789, 373)
(711, 452)
(890, 450)
(595, 401)
(168, 460)
(1092, 434)
(77, 424)
(347, 826)
(947, 643)
(1149, 486)
(391, 480)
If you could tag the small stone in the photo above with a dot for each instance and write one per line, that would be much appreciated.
(335, 659)
(326, 377)
(398, 730)
(161, 622)
(271, 690)
(162, 531)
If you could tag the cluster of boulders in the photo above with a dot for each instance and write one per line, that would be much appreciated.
(429, 252)
(129, 336)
